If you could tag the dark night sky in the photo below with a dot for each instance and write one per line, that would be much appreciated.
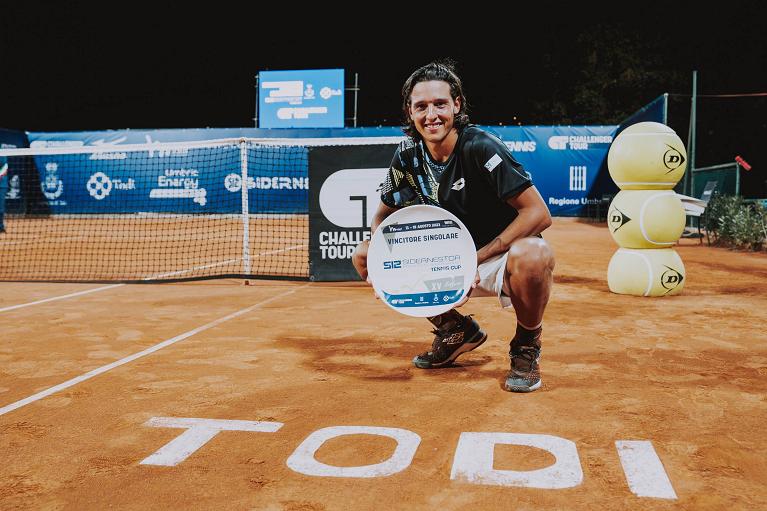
(81, 67)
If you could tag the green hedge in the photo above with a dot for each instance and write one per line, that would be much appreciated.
(733, 223)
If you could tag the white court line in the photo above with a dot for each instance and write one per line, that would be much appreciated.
(222, 263)
(294, 247)
(54, 298)
(204, 267)
(130, 358)
(159, 276)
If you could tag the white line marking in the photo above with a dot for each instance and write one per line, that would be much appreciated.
(648, 265)
(54, 298)
(303, 461)
(644, 470)
(181, 447)
(130, 358)
(198, 433)
(203, 267)
(473, 461)
(219, 424)
(294, 247)
(643, 210)
(222, 263)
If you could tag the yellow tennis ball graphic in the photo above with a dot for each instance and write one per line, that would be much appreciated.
(646, 218)
(646, 272)
(647, 156)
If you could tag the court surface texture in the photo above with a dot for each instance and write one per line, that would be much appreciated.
(301, 396)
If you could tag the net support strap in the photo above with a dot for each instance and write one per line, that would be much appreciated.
(245, 208)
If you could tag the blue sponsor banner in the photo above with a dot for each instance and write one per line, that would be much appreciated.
(564, 161)
(568, 164)
(278, 177)
(111, 137)
(312, 98)
(423, 299)
(193, 180)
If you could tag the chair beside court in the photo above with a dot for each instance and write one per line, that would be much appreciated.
(695, 209)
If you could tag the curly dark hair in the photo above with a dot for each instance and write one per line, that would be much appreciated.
(440, 70)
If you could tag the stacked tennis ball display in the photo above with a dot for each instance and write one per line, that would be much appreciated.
(646, 218)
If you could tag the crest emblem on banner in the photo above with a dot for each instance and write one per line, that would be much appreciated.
(52, 186)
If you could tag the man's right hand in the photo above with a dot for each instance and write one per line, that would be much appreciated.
(374, 289)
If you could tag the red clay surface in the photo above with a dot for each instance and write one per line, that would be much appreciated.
(687, 373)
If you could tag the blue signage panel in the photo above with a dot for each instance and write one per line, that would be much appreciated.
(114, 137)
(568, 165)
(311, 98)
(193, 180)
(564, 162)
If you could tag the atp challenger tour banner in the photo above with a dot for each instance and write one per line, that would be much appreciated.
(342, 201)
(563, 161)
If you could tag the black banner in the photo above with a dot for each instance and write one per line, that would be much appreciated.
(343, 196)
(21, 172)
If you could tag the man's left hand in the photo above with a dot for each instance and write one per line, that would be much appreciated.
(468, 295)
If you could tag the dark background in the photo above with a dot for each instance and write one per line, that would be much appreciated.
(93, 66)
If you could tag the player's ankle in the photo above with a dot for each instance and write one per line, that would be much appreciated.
(447, 320)
(527, 335)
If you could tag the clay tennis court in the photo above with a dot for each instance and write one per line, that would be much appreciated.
(276, 363)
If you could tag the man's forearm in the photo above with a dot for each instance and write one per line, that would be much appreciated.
(527, 223)
(379, 216)
(377, 219)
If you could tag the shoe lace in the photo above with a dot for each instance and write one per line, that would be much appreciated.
(528, 353)
(523, 358)
(451, 335)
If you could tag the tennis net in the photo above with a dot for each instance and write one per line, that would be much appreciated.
(149, 212)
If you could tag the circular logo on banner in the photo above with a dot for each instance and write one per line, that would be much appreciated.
(422, 261)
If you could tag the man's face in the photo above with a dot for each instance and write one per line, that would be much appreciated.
(432, 110)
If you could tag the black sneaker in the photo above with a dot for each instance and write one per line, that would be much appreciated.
(525, 374)
(447, 346)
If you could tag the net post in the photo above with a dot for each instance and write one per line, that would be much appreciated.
(245, 207)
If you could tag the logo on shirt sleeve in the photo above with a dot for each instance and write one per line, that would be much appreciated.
(493, 162)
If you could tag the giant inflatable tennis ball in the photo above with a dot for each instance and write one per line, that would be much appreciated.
(646, 218)
(647, 156)
(645, 272)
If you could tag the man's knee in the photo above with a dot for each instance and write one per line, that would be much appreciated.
(531, 256)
